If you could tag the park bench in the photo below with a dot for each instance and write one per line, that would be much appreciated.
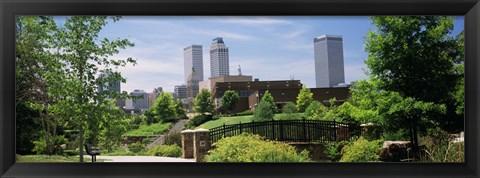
(92, 151)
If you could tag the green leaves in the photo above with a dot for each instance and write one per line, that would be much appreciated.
(164, 108)
(304, 98)
(204, 102)
(229, 100)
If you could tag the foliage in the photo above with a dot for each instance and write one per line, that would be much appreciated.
(198, 120)
(165, 151)
(415, 56)
(253, 148)
(263, 112)
(294, 116)
(204, 102)
(111, 126)
(315, 111)
(452, 152)
(362, 150)
(304, 99)
(334, 150)
(146, 130)
(244, 113)
(135, 147)
(289, 108)
(173, 139)
(267, 97)
(179, 110)
(164, 108)
(49, 146)
(395, 135)
(229, 100)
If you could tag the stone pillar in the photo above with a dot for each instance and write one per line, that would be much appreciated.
(201, 144)
(187, 144)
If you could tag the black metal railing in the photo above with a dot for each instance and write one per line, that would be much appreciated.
(290, 130)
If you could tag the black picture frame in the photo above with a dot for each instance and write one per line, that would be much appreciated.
(10, 8)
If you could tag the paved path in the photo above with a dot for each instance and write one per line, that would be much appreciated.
(142, 159)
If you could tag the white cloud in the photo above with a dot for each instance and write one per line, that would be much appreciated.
(249, 20)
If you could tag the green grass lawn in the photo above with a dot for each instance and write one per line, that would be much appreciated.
(244, 119)
(51, 158)
(146, 130)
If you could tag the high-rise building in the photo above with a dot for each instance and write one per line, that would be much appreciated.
(329, 69)
(193, 68)
(139, 102)
(110, 85)
(180, 92)
(219, 64)
(152, 97)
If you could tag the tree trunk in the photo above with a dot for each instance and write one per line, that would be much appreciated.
(415, 138)
(80, 144)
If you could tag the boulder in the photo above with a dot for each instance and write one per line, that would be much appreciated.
(394, 151)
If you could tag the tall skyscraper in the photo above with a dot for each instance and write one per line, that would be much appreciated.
(329, 69)
(193, 68)
(110, 85)
(219, 64)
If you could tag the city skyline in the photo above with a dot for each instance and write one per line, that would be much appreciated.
(268, 48)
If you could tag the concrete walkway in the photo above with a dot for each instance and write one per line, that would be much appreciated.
(141, 159)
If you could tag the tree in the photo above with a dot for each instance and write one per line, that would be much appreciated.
(179, 110)
(413, 58)
(34, 36)
(204, 102)
(229, 100)
(164, 108)
(266, 108)
(315, 111)
(304, 98)
(82, 54)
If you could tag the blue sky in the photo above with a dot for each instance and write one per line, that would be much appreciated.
(268, 48)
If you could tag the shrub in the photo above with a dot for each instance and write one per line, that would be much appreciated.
(253, 148)
(289, 108)
(135, 147)
(165, 150)
(198, 120)
(244, 113)
(315, 110)
(334, 150)
(451, 152)
(399, 135)
(362, 150)
(173, 139)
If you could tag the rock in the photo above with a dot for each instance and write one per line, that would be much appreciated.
(394, 151)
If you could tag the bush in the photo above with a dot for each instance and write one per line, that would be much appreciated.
(135, 147)
(244, 113)
(315, 110)
(173, 139)
(198, 120)
(253, 148)
(440, 148)
(399, 135)
(362, 150)
(334, 150)
(166, 151)
(289, 108)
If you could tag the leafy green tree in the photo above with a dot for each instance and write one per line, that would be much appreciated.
(179, 110)
(304, 98)
(267, 97)
(415, 56)
(229, 100)
(204, 102)
(266, 108)
(164, 108)
(113, 125)
(82, 54)
(33, 61)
